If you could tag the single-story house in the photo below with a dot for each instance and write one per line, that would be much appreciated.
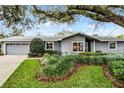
(78, 42)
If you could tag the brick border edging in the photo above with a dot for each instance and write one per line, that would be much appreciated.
(108, 75)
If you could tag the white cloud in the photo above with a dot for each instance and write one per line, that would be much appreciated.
(48, 34)
(91, 26)
(47, 24)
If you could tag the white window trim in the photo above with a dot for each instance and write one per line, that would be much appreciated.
(78, 42)
(46, 45)
(109, 45)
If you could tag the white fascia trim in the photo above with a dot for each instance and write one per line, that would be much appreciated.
(46, 45)
(112, 42)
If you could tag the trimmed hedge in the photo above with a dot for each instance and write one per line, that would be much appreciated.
(87, 59)
(53, 65)
(117, 69)
(92, 53)
(114, 57)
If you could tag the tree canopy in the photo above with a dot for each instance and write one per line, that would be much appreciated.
(64, 33)
(101, 13)
(21, 16)
(120, 36)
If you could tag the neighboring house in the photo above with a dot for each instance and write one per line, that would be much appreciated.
(72, 44)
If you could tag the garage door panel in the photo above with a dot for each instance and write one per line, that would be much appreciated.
(17, 49)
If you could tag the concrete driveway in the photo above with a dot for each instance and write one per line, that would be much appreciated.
(8, 64)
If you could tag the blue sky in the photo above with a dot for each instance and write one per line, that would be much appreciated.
(82, 25)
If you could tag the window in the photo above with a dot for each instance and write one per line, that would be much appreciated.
(78, 46)
(49, 45)
(112, 45)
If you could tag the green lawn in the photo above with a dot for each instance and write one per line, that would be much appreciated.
(24, 77)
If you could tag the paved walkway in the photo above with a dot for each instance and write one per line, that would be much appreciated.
(8, 64)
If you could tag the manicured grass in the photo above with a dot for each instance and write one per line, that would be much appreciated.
(24, 77)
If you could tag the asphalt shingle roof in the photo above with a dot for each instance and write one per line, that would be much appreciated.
(108, 38)
(57, 38)
(29, 38)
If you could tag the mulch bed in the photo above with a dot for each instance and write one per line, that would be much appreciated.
(73, 70)
(116, 82)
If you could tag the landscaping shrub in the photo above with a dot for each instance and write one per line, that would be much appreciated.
(35, 54)
(88, 59)
(0, 50)
(117, 69)
(1, 53)
(49, 59)
(92, 53)
(56, 70)
(63, 66)
(54, 66)
(51, 52)
(98, 51)
(29, 54)
(79, 59)
(114, 57)
(36, 47)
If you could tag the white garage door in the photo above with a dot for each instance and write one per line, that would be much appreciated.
(17, 48)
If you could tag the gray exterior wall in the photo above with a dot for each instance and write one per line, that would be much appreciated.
(103, 46)
(120, 47)
(92, 47)
(66, 44)
(57, 47)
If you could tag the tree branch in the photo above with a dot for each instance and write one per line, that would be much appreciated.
(99, 13)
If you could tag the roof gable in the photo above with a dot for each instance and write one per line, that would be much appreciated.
(88, 36)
